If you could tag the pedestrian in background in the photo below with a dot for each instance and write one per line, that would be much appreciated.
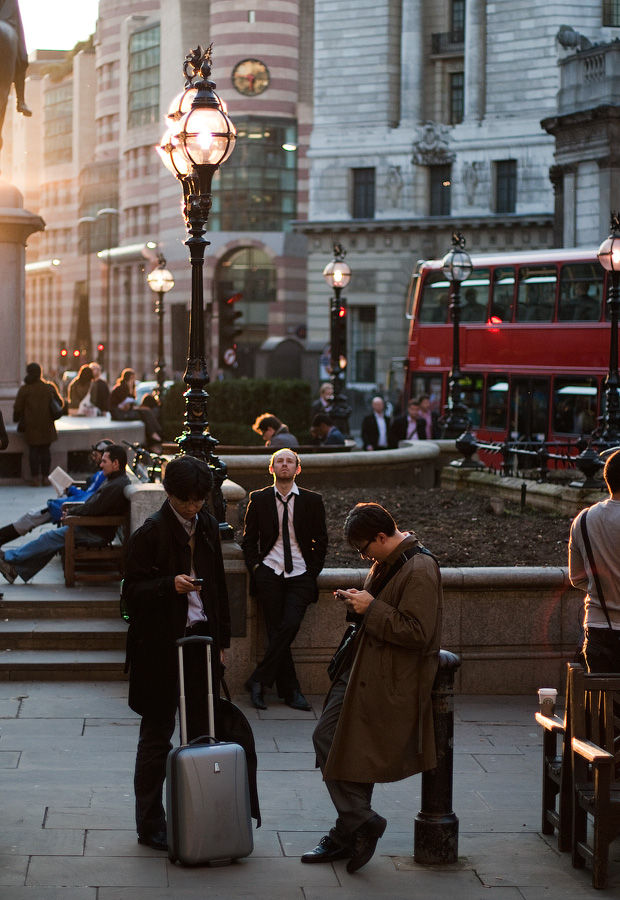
(99, 389)
(376, 427)
(326, 432)
(594, 567)
(35, 419)
(410, 427)
(274, 432)
(124, 408)
(325, 399)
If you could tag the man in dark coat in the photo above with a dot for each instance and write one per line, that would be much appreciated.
(108, 500)
(376, 427)
(174, 548)
(284, 544)
(409, 427)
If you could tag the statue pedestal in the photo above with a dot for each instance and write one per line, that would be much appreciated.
(16, 226)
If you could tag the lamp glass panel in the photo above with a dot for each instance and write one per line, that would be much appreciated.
(208, 136)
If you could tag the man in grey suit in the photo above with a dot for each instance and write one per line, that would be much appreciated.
(284, 544)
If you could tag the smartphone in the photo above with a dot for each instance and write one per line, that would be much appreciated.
(198, 582)
(339, 595)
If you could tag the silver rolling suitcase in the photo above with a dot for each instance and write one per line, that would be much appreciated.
(207, 795)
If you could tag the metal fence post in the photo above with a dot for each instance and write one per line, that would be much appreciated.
(436, 828)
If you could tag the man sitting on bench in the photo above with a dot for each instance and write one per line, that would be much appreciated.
(108, 500)
(53, 509)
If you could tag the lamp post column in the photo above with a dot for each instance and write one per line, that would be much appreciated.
(457, 267)
(337, 274)
(609, 258)
(160, 281)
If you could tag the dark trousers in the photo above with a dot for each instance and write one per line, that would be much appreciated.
(39, 459)
(284, 602)
(155, 743)
(602, 650)
(352, 799)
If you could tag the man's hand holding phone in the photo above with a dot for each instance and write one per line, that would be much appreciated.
(357, 601)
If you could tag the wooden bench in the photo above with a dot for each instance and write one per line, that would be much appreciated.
(99, 564)
(557, 794)
(595, 726)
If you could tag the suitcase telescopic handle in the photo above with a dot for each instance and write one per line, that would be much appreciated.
(181, 642)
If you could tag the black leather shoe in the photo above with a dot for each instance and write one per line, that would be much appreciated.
(298, 701)
(326, 851)
(365, 842)
(158, 840)
(256, 694)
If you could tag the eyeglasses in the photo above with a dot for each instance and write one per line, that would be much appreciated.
(362, 550)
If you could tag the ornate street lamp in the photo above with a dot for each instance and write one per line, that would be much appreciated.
(609, 258)
(200, 137)
(337, 274)
(457, 267)
(160, 282)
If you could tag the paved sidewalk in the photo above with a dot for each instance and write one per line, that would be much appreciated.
(66, 810)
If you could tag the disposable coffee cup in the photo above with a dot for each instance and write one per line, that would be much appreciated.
(546, 700)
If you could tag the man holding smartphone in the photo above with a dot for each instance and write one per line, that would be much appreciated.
(377, 721)
(174, 586)
(284, 545)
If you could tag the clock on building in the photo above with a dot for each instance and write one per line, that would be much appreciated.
(250, 77)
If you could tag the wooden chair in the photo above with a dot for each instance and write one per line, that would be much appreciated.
(595, 726)
(557, 794)
(98, 564)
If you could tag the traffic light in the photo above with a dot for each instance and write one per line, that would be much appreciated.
(229, 330)
(101, 355)
(64, 355)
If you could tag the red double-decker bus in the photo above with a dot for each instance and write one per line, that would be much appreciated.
(534, 342)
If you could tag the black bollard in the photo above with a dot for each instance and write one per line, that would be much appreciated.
(436, 828)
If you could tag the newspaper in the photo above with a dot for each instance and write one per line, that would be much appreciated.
(60, 481)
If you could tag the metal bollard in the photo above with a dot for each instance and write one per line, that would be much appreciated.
(436, 828)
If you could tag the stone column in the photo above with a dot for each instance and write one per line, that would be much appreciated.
(475, 60)
(412, 62)
(570, 205)
(16, 225)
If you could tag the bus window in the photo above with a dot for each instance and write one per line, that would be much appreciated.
(471, 395)
(581, 291)
(475, 301)
(574, 405)
(496, 405)
(435, 298)
(529, 408)
(503, 294)
(536, 300)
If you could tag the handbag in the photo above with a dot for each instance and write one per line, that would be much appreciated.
(344, 648)
(57, 406)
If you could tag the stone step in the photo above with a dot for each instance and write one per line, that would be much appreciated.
(44, 605)
(62, 665)
(62, 634)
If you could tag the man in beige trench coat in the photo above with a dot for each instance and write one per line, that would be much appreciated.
(377, 723)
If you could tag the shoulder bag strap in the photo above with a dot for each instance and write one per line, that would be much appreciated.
(597, 581)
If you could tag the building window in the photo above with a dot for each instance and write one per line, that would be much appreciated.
(457, 97)
(611, 13)
(362, 344)
(143, 89)
(506, 186)
(363, 193)
(58, 125)
(257, 188)
(440, 183)
(457, 21)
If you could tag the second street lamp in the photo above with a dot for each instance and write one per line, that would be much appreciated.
(160, 282)
(337, 274)
(457, 267)
(199, 138)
